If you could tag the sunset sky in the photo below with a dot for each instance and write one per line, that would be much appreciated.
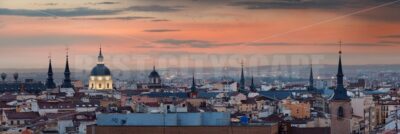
(30, 30)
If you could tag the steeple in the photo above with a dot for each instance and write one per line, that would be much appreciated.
(100, 58)
(49, 82)
(340, 91)
(242, 81)
(67, 80)
(193, 88)
(252, 86)
(311, 80)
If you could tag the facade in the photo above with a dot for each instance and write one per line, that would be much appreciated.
(364, 107)
(100, 76)
(298, 110)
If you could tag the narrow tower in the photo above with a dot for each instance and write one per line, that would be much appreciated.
(67, 75)
(311, 80)
(242, 82)
(340, 106)
(252, 86)
(50, 82)
(193, 89)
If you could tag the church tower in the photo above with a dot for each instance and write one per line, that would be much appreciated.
(340, 106)
(242, 84)
(311, 87)
(252, 86)
(50, 82)
(67, 75)
(193, 89)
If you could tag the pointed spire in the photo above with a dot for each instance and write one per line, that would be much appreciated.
(50, 82)
(154, 67)
(193, 88)
(252, 86)
(100, 58)
(340, 91)
(311, 79)
(242, 80)
(67, 80)
(66, 62)
(50, 71)
(100, 54)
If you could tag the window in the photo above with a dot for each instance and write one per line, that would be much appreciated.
(340, 112)
(99, 85)
(108, 85)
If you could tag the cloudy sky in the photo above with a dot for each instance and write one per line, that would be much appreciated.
(30, 30)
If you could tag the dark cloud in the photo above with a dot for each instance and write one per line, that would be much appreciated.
(381, 10)
(390, 42)
(46, 4)
(67, 12)
(108, 3)
(388, 14)
(174, 43)
(155, 8)
(270, 44)
(85, 11)
(115, 18)
(158, 20)
(290, 4)
(358, 44)
(162, 30)
(46, 40)
(394, 36)
(102, 3)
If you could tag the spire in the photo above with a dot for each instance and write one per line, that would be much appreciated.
(311, 79)
(252, 86)
(340, 91)
(193, 88)
(242, 81)
(67, 80)
(50, 82)
(100, 58)
(154, 67)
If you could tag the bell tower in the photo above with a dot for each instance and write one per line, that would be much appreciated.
(340, 106)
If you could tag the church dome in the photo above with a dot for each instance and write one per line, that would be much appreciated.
(154, 74)
(100, 70)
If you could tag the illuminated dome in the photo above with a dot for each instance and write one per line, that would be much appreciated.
(100, 70)
(100, 76)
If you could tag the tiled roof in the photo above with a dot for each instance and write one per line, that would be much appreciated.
(158, 95)
(55, 105)
(22, 115)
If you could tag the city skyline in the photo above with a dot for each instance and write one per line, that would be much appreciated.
(126, 29)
